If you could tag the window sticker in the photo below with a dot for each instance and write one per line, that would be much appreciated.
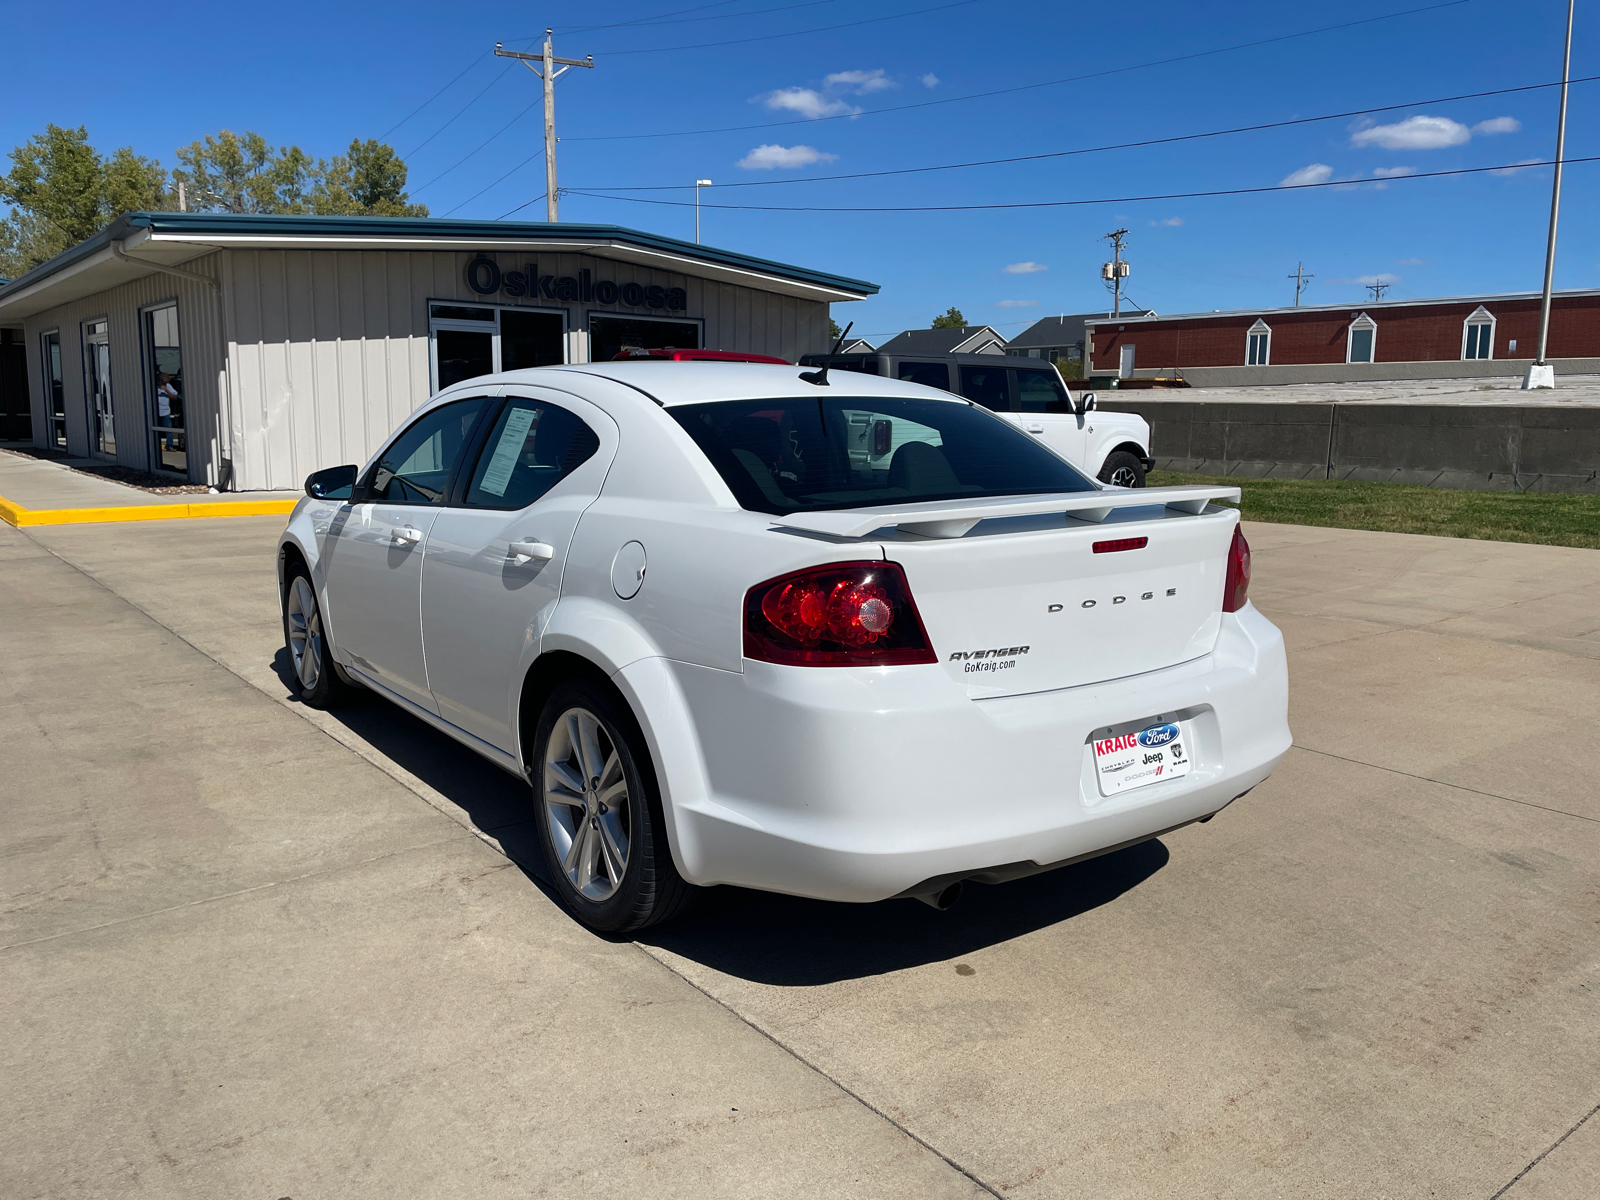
(498, 475)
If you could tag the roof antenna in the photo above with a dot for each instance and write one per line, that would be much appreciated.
(820, 376)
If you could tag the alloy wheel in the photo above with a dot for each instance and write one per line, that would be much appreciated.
(1124, 477)
(305, 633)
(586, 803)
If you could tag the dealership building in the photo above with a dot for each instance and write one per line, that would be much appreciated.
(245, 352)
(1402, 339)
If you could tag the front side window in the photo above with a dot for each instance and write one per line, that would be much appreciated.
(811, 452)
(987, 386)
(1363, 339)
(1042, 392)
(532, 447)
(1258, 345)
(417, 466)
(1477, 336)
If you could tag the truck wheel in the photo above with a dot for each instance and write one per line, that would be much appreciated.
(1122, 469)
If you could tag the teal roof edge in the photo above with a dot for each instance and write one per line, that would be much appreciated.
(201, 224)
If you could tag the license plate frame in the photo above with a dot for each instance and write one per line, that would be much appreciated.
(1153, 752)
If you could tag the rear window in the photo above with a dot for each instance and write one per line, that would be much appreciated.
(815, 452)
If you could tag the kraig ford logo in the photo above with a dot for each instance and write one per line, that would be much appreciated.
(1157, 735)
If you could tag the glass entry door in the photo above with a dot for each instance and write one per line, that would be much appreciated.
(55, 392)
(97, 385)
(471, 340)
(163, 361)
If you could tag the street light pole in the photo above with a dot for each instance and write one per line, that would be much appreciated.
(1541, 374)
(698, 184)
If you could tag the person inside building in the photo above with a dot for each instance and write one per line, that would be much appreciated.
(166, 406)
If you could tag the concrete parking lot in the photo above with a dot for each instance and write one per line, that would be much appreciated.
(250, 950)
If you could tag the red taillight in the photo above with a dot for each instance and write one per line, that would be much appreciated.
(1236, 591)
(1116, 544)
(841, 615)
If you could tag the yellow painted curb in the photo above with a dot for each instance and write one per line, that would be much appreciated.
(14, 514)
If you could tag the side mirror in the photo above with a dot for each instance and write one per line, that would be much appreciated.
(333, 483)
(1086, 404)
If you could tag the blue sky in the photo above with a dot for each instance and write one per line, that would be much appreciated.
(318, 75)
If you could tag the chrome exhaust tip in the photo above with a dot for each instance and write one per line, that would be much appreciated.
(944, 899)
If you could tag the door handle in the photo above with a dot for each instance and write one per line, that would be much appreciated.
(525, 549)
(1035, 428)
(407, 536)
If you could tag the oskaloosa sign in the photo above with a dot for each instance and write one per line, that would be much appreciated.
(485, 277)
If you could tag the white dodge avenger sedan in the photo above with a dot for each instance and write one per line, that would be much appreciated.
(842, 637)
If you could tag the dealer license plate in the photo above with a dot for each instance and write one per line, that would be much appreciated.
(1150, 755)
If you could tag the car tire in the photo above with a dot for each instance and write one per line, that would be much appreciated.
(316, 678)
(599, 814)
(1122, 469)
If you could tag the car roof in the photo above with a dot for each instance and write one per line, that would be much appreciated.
(674, 383)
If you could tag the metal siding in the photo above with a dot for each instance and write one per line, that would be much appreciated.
(120, 306)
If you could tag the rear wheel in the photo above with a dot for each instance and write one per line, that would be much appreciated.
(315, 679)
(1122, 469)
(599, 814)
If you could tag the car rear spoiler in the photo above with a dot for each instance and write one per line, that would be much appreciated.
(952, 518)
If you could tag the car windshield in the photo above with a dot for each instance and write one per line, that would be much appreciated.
(815, 452)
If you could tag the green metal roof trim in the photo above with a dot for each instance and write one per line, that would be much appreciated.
(200, 225)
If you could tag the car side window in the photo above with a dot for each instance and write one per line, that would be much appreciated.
(1042, 392)
(926, 373)
(417, 466)
(986, 386)
(531, 448)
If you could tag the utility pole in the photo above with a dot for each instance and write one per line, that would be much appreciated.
(1301, 281)
(698, 184)
(547, 72)
(1116, 270)
(1378, 289)
(1541, 374)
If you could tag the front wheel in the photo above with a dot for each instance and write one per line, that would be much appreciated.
(599, 815)
(1122, 469)
(310, 656)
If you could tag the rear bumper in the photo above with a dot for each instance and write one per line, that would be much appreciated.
(858, 785)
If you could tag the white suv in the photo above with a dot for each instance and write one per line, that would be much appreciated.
(842, 637)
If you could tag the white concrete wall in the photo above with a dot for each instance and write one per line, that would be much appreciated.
(131, 402)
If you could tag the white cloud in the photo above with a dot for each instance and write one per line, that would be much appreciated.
(861, 83)
(1170, 222)
(1315, 173)
(1414, 133)
(930, 80)
(1016, 304)
(1393, 172)
(1025, 268)
(1524, 165)
(807, 102)
(1498, 125)
(768, 157)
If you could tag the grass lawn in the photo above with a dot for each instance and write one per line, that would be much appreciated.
(1549, 518)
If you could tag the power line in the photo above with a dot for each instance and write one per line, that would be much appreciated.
(431, 98)
(1026, 87)
(459, 112)
(1162, 141)
(520, 207)
(649, 22)
(1282, 187)
(768, 37)
(480, 146)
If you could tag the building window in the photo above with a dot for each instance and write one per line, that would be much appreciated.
(55, 392)
(468, 340)
(610, 335)
(1363, 341)
(1477, 335)
(1258, 345)
(97, 388)
(163, 364)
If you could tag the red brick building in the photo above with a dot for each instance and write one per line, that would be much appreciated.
(1362, 341)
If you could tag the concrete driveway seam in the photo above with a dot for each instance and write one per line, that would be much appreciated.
(1549, 1150)
(260, 887)
(807, 1063)
(1459, 787)
(331, 729)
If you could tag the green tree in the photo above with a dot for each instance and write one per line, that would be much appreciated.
(61, 191)
(834, 332)
(951, 320)
(368, 180)
(230, 173)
